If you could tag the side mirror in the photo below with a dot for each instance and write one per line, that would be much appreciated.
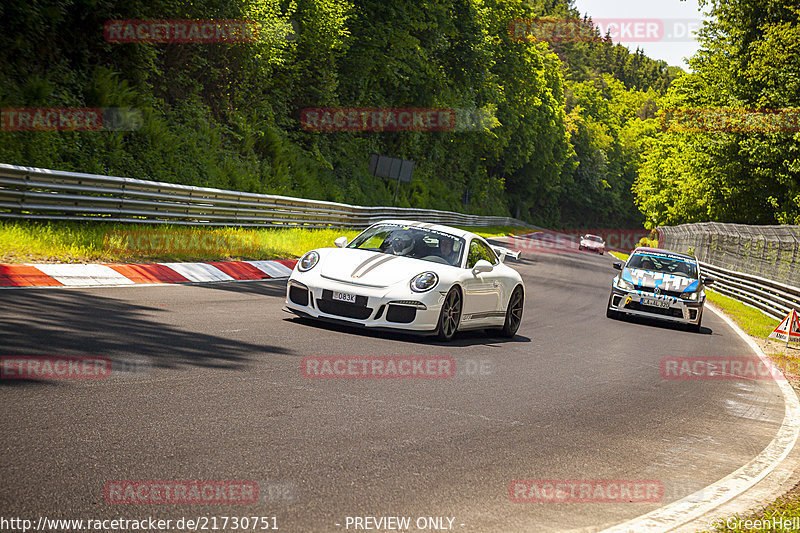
(708, 280)
(482, 266)
(341, 242)
(617, 266)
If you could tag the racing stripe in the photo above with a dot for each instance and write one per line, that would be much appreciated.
(377, 264)
(365, 263)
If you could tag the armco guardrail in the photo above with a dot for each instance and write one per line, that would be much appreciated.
(35, 193)
(757, 265)
(772, 298)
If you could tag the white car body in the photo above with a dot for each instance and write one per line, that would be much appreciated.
(378, 284)
(593, 243)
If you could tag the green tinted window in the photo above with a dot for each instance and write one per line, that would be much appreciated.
(478, 251)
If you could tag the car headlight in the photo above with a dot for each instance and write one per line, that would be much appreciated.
(624, 285)
(694, 295)
(424, 282)
(308, 261)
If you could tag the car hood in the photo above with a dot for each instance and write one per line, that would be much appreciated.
(650, 279)
(591, 244)
(372, 269)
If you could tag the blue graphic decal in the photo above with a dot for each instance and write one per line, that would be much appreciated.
(626, 275)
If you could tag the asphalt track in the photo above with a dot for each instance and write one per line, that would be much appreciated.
(214, 391)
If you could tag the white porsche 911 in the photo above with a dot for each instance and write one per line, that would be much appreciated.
(406, 275)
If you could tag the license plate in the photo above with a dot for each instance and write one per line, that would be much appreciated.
(654, 303)
(344, 297)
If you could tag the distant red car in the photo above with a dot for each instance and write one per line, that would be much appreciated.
(592, 243)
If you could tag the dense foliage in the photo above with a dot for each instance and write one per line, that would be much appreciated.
(572, 119)
(749, 64)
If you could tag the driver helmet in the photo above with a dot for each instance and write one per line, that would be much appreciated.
(402, 243)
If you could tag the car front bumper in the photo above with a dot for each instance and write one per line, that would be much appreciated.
(376, 307)
(676, 310)
(595, 249)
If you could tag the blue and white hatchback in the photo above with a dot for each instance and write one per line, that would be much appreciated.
(659, 284)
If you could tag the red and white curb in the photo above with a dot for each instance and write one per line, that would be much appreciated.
(96, 275)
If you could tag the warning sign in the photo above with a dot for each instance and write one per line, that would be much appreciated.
(788, 330)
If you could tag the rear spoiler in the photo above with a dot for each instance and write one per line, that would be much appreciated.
(503, 252)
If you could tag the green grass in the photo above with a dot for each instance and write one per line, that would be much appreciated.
(497, 231)
(75, 242)
(751, 320)
(96, 242)
(619, 255)
(783, 509)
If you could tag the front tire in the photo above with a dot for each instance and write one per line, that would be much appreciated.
(514, 313)
(449, 316)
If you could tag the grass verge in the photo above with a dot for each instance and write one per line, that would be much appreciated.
(779, 516)
(497, 231)
(751, 320)
(98, 242)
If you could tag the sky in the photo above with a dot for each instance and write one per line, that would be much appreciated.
(664, 27)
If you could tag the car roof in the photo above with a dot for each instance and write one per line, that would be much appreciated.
(647, 249)
(436, 227)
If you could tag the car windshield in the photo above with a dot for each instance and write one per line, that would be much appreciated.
(659, 263)
(594, 238)
(409, 241)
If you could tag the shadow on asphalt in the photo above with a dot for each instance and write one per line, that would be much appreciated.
(66, 322)
(463, 338)
(20, 382)
(266, 287)
(653, 323)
